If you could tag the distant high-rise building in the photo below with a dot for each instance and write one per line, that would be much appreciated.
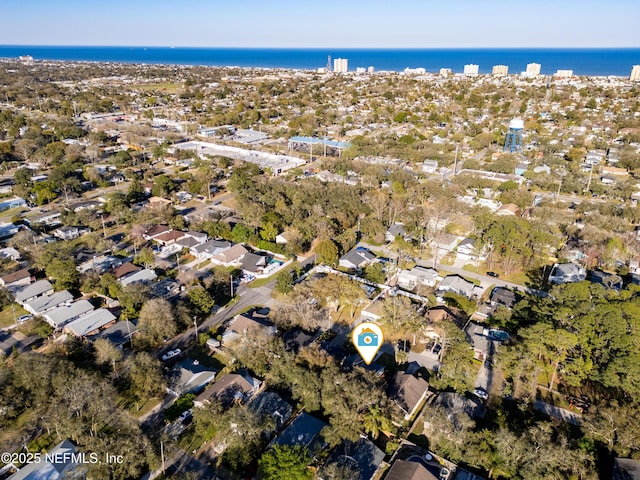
(471, 69)
(564, 73)
(340, 65)
(361, 70)
(500, 70)
(445, 72)
(371, 69)
(635, 73)
(533, 69)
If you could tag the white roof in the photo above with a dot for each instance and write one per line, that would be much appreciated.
(45, 303)
(33, 290)
(90, 322)
(145, 275)
(59, 316)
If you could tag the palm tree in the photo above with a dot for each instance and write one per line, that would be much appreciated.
(376, 421)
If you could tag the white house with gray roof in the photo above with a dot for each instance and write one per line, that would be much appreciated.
(90, 323)
(35, 290)
(43, 304)
(60, 316)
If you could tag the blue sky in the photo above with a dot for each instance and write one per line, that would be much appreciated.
(329, 23)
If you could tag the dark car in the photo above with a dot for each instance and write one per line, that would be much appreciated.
(437, 348)
(493, 274)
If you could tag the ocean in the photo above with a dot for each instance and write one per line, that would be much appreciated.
(617, 62)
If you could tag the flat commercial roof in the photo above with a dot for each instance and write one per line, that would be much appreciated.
(323, 141)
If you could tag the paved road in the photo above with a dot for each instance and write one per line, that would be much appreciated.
(561, 413)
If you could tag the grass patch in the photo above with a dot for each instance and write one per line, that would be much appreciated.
(189, 441)
(146, 408)
(8, 316)
(203, 264)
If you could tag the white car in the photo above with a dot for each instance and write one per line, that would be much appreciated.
(171, 354)
(481, 393)
(24, 318)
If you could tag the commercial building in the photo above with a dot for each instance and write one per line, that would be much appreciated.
(445, 72)
(533, 70)
(340, 65)
(500, 70)
(635, 73)
(564, 73)
(471, 69)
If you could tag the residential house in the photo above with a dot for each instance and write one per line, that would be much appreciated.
(8, 230)
(9, 203)
(270, 404)
(508, 209)
(457, 284)
(168, 238)
(305, 431)
(467, 249)
(231, 257)
(607, 280)
(430, 166)
(158, 202)
(190, 376)
(187, 242)
(44, 303)
(16, 280)
(243, 325)
(69, 233)
(229, 389)
(410, 279)
(281, 238)
(62, 462)
(125, 269)
(166, 288)
(142, 276)
(49, 219)
(409, 470)
(32, 291)
(60, 316)
(408, 392)
(91, 323)
(363, 456)
(566, 273)
(446, 242)
(374, 310)
(394, 230)
(626, 469)
(634, 265)
(454, 403)
(100, 264)
(253, 264)
(118, 334)
(209, 249)
(356, 259)
(502, 296)
(6, 185)
(10, 254)
(154, 231)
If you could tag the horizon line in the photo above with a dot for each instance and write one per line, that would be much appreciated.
(325, 47)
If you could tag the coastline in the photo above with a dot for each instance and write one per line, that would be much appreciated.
(584, 62)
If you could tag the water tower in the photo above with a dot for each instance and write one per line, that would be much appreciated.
(513, 142)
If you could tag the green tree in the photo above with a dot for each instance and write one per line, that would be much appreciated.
(374, 273)
(201, 298)
(63, 272)
(163, 186)
(327, 252)
(157, 321)
(284, 282)
(283, 462)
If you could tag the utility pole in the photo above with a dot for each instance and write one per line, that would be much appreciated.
(455, 162)
(231, 283)
(195, 325)
(589, 181)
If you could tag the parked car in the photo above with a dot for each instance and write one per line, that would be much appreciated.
(24, 318)
(185, 417)
(437, 348)
(171, 354)
(481, 393)
(493, 274)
